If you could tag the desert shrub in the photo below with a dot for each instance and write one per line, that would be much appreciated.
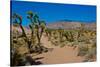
(56, 43)
(88, 51)
(69, 36)
(91, 55)
(55, 37)
(39, 49)
(62, 45)
(23, 60)
(83, 50)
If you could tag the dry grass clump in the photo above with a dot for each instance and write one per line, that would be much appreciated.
(83, 50)
(88, 51)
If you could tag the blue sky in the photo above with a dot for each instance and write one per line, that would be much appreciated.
(55, 12)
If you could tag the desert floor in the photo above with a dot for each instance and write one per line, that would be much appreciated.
(59, 55)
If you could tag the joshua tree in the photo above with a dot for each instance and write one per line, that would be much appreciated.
(18, 19)
(60, 33)
(48, 34)
(37, 28)
(36, 24)
(81, 30)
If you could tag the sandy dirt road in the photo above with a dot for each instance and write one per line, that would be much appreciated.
(58, 55)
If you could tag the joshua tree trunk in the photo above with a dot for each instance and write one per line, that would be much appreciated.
(26, 38)
(38, 36)
(41, 33)
(60, 33)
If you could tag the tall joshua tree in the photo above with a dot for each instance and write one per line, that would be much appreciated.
(18, 19)
(36, 24)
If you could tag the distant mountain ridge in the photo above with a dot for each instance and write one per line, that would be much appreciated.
(69, 25)
(63, 24)
(67, 20)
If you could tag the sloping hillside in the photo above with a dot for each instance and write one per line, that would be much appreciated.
(70, 25)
